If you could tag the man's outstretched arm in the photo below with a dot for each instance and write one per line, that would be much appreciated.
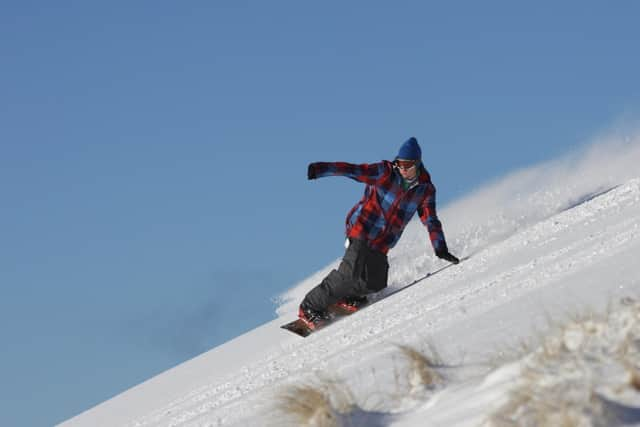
(369, 173)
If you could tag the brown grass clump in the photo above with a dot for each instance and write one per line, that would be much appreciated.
(532, 407)
(422, 368)
(585, 373)
(320, 404)
(634, 381)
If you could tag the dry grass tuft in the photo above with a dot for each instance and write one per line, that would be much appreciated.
(322, 403)
(531, 407)
(423, 369)
(330, 403)
(588, 356)
(634, 381)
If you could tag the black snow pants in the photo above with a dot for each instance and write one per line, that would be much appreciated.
(362, 271)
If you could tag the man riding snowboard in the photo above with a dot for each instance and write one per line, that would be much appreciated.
(394, 192)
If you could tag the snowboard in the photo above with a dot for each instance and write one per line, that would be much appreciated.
(336, 312)
(300, 328)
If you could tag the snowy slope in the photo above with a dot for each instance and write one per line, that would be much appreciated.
(545, 243)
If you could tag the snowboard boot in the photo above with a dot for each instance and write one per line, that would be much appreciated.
(314, 319)
(351, 304)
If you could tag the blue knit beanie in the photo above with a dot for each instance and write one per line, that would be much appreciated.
(410, 150)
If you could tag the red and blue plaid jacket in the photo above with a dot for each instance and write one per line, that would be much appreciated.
(386, 208)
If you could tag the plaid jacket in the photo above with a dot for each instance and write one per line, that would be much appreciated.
(386, 208)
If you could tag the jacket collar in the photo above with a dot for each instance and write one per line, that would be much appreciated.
(423, 175)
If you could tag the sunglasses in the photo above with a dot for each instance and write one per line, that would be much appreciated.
(405, 164)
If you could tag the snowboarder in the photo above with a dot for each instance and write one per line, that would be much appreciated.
(394, 192)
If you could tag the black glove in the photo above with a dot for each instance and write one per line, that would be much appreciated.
(445, 255)
(311, 172)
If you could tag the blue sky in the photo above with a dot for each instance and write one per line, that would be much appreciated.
(153, 156)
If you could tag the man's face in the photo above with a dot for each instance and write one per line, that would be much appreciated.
(408, 168)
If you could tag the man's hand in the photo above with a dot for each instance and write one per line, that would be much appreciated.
(445, 255)
(311, 171)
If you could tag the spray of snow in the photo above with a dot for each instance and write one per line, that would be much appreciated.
(500, 208)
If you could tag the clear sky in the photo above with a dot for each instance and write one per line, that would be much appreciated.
(153, 156)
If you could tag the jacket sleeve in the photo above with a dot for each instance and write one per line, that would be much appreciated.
(369, 173)
(429, 217)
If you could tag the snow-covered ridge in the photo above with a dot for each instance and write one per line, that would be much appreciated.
(545, 244)
(543, 256)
